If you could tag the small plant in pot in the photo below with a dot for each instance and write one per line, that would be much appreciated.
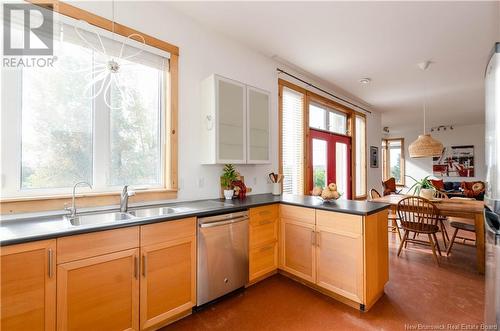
(423, 188)
(229, 175)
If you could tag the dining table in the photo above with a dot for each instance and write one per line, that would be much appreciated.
(470, 209)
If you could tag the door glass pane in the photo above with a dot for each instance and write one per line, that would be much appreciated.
(341, 168)
(337, 122)
(317, 118)
(57, 124)
(135, 156)
(319, 149)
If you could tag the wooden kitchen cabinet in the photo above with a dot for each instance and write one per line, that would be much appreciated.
(28, 286)
(98, 281)
(297, 250)
(342, 255)
(263, 241)
(168, 272)
(99, 293)
(339, 254)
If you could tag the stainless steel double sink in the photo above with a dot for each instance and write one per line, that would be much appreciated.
(110, 217)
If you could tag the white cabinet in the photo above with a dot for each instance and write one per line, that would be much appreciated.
(235, 124)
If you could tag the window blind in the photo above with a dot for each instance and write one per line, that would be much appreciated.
(360, 148)
(293, 141)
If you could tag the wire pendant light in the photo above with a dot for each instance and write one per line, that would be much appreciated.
(425, 145)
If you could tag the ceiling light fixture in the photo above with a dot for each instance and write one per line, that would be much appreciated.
(425, 145)
(109, 66)
(365, 81)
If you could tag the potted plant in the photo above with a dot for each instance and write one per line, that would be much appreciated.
(229, 175)
(423, 188)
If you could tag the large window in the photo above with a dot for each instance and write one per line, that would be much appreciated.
(292, 140)
(77, 120)
(393, 160)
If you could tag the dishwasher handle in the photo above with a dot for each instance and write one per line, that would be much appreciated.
(230, 221)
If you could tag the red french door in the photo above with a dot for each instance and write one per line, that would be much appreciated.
(330, 161)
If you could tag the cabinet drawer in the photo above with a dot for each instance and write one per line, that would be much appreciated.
(166, 231)
(98, 243)
(263, 259)
(340, 221)
(300, 214)
(264, 213)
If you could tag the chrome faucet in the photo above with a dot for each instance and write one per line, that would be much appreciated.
(72, 209)
(124, 198)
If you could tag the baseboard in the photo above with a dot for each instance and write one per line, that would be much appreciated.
(172, 319)
(349, 302)
(262, 277)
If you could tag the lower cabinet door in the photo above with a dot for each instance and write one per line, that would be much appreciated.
(297, 249)
(263, 260)
(99, 293)
(339, 258)
(168, 280)
(28, 287)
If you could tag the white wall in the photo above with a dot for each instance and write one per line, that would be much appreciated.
(204, 52)
(374, 138)
(460, 135)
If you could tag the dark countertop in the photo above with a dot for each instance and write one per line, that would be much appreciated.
(21, 228)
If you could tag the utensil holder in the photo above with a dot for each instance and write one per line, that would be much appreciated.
(276, 188)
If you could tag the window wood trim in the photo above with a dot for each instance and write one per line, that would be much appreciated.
(55, 202)
(103, 23)
(385, 173)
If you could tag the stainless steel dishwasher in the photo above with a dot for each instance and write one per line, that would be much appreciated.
(222, 255)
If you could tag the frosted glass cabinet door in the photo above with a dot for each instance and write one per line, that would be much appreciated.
(258, 125)
(231, 120)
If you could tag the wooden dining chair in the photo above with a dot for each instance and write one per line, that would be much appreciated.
(420, 216)
(442, 219)
(457, 225)
(463, 224)
(393, 218)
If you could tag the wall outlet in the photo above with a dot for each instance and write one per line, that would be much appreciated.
(255, 181)
(201, 182)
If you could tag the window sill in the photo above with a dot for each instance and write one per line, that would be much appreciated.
(56, 202)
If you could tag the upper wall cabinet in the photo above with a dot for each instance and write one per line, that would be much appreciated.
(235, 122)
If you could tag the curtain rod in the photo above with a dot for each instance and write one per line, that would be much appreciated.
(320, 89)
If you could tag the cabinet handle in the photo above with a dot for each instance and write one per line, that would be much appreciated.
(264, 212)
(136, 267)
(144, 266)
(318, 239)
(264, 222)
(50, 262)
(313, 238)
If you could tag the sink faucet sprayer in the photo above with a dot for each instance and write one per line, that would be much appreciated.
(72, 209)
